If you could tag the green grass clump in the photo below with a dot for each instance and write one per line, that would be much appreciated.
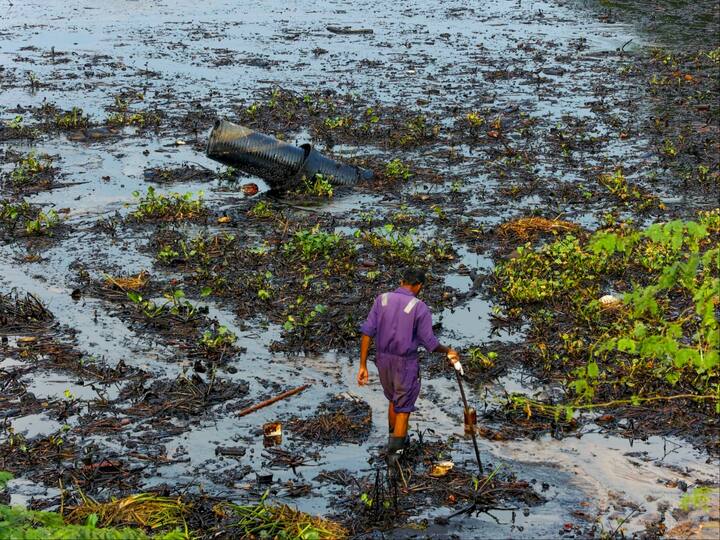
(263, 520)
(18, 523)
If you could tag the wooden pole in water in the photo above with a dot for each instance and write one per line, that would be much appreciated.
(465, 403)
(270, 401)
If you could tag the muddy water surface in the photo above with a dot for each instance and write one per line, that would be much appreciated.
(188, 56)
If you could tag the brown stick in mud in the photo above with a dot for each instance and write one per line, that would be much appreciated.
(272, 400)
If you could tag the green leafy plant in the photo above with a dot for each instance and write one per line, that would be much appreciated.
(16, 123)
(167, 254)
(219, 338)
(43, 224)
(75, 118)
(475, 119)
(29, 167)
(338, 122)
(5, 477)
(397, 170)
(318, 186)
(302, 319)
(313, 243)
(171, 207)
(139, 119)
(628, 193)
(480, 360)
(393, 242)
(148, 307)
(262, 209)
(699, 498)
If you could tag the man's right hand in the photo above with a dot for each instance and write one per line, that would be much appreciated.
(454, 359)
(363, 376)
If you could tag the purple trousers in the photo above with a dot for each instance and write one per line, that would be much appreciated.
(400, 379)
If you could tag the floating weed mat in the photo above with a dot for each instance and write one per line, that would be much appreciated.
(341, 419)
(658, 344)
(22, 313)
(53, 354)
(184, 397)
(32, 173)
(144, 509)
(529, 228)
(42, 459)
(264, 520)
(22, 219)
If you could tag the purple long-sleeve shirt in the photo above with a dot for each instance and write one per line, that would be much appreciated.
(400, 323)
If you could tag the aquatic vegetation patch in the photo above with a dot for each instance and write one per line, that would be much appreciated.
(75, 118)
(22, 218)
(397, 170)
(628, 193)
(394, 245)
(316, 186)
(32, 170)
(625, 315)
(123, 114)
(171, 207)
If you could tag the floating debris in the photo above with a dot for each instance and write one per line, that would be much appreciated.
(341, 419)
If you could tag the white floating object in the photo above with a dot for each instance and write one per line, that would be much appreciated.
(609, 301)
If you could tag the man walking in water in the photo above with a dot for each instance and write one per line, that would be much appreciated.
(399, 323)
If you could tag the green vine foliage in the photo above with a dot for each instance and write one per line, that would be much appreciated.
(659, 339)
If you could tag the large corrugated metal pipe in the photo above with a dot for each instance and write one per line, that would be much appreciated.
(280, 164)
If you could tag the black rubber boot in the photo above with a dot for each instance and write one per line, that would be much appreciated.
(394, 450)
(407, 437)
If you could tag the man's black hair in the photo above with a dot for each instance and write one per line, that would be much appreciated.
(414, 276)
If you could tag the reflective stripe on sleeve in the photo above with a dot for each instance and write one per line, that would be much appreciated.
(384, 299)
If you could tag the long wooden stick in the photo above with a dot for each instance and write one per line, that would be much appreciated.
(474, 439)
(273, 400)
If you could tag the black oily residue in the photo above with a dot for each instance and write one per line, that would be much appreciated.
(487, 133)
